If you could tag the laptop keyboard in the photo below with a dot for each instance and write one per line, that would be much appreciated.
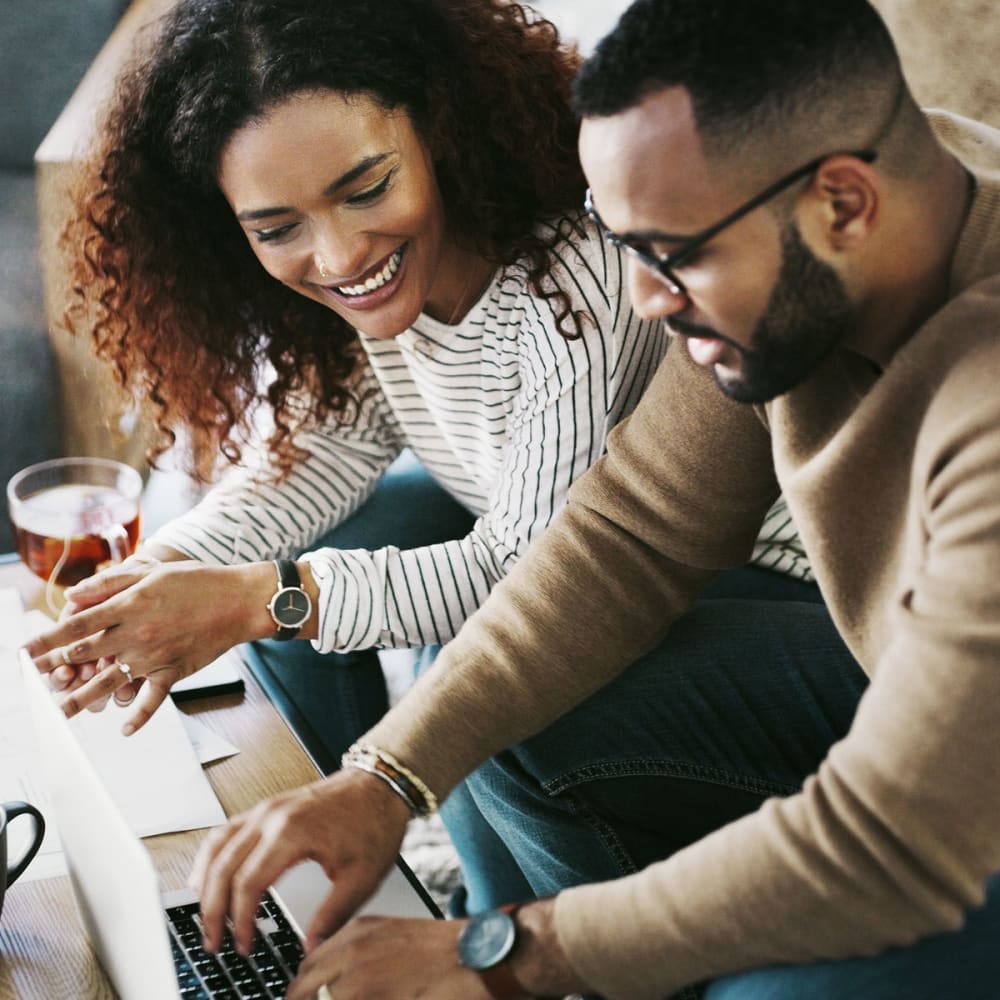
(263, 975)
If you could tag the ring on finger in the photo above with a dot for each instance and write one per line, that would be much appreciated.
(126, 670)
(124, 699)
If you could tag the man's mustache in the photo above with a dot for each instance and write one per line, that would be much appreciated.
(687, 329)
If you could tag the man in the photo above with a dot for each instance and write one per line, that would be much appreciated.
(830, 264)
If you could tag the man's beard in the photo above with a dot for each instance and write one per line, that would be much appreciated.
(807, 316)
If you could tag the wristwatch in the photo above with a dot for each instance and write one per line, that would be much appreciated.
(485, 945)
(291, 606)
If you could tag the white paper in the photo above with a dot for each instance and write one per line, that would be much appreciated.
(154, 776)
(208, 745)
(226, 669)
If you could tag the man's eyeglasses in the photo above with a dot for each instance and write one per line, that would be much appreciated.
(664, 266)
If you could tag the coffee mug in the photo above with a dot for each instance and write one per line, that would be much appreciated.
(9, 811)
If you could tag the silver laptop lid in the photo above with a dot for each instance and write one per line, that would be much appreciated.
(115, 884)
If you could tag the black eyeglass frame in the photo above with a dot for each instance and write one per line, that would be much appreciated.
(664, 265)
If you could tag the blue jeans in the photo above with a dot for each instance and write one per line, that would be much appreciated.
(491, 873)
(741, 702)
(964, 965)
(329, 699)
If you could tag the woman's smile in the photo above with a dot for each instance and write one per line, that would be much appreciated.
(339, 201)
(374, 286)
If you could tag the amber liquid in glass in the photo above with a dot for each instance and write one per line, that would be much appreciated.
(74, 528)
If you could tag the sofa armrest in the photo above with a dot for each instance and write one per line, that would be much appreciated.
(91, 399)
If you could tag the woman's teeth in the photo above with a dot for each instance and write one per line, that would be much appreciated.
(376, 280)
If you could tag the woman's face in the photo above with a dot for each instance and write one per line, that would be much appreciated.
(339, 201)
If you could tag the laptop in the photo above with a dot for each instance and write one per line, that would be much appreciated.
(149, 942)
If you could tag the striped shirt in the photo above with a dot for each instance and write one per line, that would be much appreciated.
(501, 409)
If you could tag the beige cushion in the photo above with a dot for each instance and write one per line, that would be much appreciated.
(950, 51)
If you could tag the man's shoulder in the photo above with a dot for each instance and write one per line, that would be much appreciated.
(959, 352)
(975, 143)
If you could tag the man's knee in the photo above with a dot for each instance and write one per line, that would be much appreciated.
(961, 964)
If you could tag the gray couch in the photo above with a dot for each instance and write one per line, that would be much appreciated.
(45, 48)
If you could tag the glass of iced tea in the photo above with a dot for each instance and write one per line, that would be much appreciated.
(72, 515)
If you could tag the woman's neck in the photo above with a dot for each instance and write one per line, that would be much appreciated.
(463, 274)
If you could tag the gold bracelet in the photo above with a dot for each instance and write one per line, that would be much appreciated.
(422, 799)
(370, 766)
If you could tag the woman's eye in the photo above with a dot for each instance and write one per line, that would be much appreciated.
(271, 235)
(370, 194)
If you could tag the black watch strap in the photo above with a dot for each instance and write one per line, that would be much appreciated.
(290, 607)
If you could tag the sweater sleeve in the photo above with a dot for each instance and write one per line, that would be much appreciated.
(895, 837)
(644, 530)
(251, 515)
(570, 393)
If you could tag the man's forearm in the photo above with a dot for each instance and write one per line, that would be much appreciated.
(599, 588)
(519, 664)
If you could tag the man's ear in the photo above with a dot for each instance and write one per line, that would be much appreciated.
(848, 193)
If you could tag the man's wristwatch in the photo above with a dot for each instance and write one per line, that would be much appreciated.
(291, 606)
(485, 945)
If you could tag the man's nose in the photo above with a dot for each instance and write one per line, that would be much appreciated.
(653, 297)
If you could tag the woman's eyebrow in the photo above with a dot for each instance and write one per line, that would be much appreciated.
(358, 170)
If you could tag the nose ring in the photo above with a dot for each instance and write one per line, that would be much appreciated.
(321, 267)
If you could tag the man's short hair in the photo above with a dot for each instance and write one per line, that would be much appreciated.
(752, 67)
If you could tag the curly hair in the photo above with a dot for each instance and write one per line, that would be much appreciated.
(184, 312)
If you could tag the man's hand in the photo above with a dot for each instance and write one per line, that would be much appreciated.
(410, 959)
(351, 823)
(389, 957)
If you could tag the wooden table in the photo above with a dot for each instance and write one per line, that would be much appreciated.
(44, 951)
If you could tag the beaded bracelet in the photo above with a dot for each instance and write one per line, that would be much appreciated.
(414, 792)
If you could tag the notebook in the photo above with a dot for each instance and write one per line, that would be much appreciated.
(148, 942)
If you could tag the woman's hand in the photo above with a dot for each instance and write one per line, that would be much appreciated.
(164, 620)
(351, 823)
(69, 675)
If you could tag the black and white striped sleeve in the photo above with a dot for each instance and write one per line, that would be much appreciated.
(249, 516)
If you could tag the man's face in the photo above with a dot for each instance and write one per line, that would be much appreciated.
(807, 316)
(760, 309)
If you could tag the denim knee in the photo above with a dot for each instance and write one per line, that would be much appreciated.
(957, 965)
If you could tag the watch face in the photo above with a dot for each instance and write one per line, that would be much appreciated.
(487, 940)
(290, 607)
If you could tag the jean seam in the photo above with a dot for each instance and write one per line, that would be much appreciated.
(666, 769)
(606, 834)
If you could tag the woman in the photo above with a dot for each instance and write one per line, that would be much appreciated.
(335, 236)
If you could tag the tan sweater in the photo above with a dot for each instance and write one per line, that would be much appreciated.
(894, 483)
